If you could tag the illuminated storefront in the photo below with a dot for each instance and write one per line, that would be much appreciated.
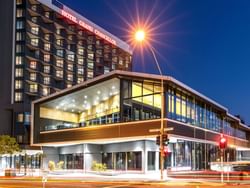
(108, 120)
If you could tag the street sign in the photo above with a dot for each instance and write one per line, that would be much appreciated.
(159, 130)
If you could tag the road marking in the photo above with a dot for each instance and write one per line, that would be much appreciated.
(115, 186)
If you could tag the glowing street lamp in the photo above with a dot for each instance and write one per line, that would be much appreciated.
(140, 36)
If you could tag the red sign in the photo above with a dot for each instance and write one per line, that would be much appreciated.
(88, 27)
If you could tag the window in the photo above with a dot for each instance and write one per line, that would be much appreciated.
(70, 37)
(80, 51)
(47, 46)
(19, 12)
(20, 24)
(46, 80)
(90, 74)
(70, 67)
(47, 37)
(33, 88)
(18, 84)
(34, 19)
(59, 73)
(90, 64)
(47, 14)
(80, 32)
(71, 57)
(27, 117)
(33, 64)
(19, 60)
(19, 117)
(45, 91)
(19, 48)
(90, 56)
(33, 76)
(80, 70)
(19, 2)
(46, 57)
(151, 160)
(59, 62)
(19, 72)
(46, 69)
(79, 80)
(80, 61)
(59, 42)
(19, 36)
(18, 96)
(106, 69)
(70, 77)
(58, 31)
(34, 30)
(59, 53)
(34, 42)
(34, 8)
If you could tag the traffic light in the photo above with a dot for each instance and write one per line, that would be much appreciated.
(165, 151)
(165, 139)
(158, 140)
(223, 143)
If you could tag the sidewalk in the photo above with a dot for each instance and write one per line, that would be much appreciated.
(92, 176)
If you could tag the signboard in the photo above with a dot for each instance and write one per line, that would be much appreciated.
(88, 27)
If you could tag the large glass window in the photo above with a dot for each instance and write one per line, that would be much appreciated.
(141, 100)
(96, 105)
(186, 108)
(72, 161)
(134, 160)
(151, 160)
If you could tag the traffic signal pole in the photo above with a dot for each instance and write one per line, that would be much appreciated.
(222, 165)
(162, 128)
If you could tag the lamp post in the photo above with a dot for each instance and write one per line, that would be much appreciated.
(140, 37)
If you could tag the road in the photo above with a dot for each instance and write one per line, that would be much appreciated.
(78, 184)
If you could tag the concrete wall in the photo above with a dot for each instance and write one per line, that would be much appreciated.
(6, 33)
(93, 152)
(51, 154)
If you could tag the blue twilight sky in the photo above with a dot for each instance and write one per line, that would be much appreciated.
(204, 44)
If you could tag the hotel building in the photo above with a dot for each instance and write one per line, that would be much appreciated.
(46, 47)
(107, 119)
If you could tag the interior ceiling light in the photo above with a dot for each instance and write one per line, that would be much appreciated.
(85, 97)
(98, 92)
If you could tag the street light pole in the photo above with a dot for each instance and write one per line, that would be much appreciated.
(162, 113)
(140, 36)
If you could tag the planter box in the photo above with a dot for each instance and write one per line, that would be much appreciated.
(10, 172)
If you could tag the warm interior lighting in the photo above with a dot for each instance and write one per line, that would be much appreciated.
(140, 35)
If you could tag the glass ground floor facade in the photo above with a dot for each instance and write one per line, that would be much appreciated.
(142, 155)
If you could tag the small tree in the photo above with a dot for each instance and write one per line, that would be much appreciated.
(8, 145)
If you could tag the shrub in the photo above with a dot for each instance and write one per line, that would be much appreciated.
(51, 165)
(59, 165)
(98, 166)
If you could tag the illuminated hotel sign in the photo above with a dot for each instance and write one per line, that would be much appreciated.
(88, 27)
